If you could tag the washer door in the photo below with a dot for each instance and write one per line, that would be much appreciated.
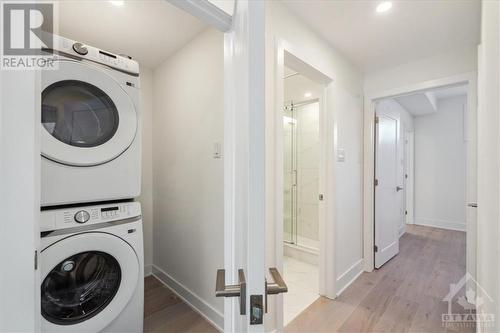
(87, 117)
(87, 280)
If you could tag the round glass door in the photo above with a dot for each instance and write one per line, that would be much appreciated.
(80, 287)
(87, 281)
(78, 113)
(87, 117)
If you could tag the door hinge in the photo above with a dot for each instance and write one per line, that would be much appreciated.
(406, 212)
(375, 248)
(376, 120)
(321, 197)
(36, 259)
(376, 182)
(406, 176)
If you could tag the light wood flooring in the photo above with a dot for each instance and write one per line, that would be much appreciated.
(165, 312)
(405, 295)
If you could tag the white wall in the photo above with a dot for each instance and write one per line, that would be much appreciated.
(440, 166)
(146, 198)
(188, 181)
(439, 66)
(405, 122)
(344, 100)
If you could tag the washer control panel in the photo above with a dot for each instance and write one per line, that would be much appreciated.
(62, 218)
(82, 216)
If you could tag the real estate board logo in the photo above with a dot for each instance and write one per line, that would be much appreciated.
(27, 35)
(467, 301)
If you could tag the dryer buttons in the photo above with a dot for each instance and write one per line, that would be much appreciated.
(82, 216)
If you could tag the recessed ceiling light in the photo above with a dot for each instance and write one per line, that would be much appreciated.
(117, 3)
(307, 94)
(384, 6)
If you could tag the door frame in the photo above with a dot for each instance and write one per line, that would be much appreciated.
(469, 78)
(409, 191)
(326, 262)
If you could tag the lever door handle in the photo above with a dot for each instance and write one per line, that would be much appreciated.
(399, 188)
(472, 204)
(236, 290)
(278, 286)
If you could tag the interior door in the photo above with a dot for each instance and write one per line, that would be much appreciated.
(387, 191)
(19, 201)
(244, 168)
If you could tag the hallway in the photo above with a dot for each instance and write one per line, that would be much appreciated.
(405, 295)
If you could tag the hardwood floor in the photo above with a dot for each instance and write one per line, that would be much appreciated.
(405, 295)
(165, 312)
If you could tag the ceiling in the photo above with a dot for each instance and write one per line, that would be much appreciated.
(149, 32)
(297, 85)
(411, 30)
(425, 102)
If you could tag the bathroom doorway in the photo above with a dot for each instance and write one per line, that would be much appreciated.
(301, 162)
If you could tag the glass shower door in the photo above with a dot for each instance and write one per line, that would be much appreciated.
(289, 175)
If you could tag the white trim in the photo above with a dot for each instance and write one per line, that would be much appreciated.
(402, 230)
(206, 12)
(148, 270)
(442, 224)
(194, 301)
(368, 150)
(349, 276)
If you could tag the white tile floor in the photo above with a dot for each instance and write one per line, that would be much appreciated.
(303, 285)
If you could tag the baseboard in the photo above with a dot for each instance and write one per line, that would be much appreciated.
(148, 270)
(443, 224)
(194, 301)
(349, 276)
(402, 230)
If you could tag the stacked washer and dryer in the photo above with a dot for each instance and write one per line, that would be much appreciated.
(91, 229)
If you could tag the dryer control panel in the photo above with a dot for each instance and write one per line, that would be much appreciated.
(87, 52)
(62, 218)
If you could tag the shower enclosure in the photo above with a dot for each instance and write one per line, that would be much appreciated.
(301, 174)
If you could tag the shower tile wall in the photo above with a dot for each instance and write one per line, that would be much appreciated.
(308, 173)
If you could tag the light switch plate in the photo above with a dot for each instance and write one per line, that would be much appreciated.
(217, 150)
(341, 155)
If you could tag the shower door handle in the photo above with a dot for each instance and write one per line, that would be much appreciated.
(236, 290)
(278, 286)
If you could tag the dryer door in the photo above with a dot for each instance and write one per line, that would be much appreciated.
(87, 117)
(87, 280)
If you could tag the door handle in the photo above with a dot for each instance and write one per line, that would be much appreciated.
(472, 204)
(399, 188)
(235, 290)
(278, 286)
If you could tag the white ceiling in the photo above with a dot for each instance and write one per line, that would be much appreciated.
(425, 102)
(148, 31)
(410, 31)
(297, 85)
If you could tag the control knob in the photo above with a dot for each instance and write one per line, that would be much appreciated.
(82, 216)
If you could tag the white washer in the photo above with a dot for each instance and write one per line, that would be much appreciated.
(92, 277)
(90, 126)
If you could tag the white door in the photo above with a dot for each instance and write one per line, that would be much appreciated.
(19, 201)
(387, 191)
(244, 168)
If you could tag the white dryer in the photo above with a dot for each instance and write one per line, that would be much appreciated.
(92, 277)
(90, 126)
